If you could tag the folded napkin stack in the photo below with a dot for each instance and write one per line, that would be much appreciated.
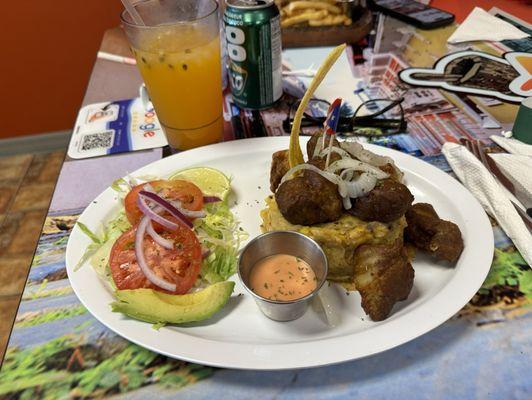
(491, 194)
(513, 146)
(480, 25)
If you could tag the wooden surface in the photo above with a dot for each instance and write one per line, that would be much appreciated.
(27, 182)
(305, 36)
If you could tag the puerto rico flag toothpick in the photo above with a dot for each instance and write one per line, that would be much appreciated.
(330, 125)
(333, 115)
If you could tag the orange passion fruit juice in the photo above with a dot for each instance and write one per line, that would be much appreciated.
(182, 72)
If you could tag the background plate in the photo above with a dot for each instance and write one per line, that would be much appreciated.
(239, 336)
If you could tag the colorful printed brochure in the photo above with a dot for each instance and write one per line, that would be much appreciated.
(115, 127)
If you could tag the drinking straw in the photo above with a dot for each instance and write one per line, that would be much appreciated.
(133, 12)
(119, 59)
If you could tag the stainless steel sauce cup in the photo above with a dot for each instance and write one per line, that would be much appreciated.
(283, 242)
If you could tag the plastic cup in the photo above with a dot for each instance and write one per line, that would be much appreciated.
(178, 55)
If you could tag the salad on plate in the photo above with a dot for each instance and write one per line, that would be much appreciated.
(169, 252)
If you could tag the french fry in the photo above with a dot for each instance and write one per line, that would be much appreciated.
(295, 155)
(331, 20)
(289, 13)
(319, 5)
(322, 22)
(300, 12)
(305, 17)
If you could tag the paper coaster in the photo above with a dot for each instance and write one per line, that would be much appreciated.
(115, 127)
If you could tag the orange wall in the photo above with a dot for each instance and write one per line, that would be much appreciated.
(47, 49)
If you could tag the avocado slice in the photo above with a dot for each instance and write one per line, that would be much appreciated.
(156, 307)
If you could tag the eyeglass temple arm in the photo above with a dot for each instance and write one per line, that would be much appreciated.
(382, 123)
(380, 112)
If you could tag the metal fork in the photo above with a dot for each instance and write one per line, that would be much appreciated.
(477, 149)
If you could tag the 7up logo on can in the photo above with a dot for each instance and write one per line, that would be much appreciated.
(237, 54)
(253, 40)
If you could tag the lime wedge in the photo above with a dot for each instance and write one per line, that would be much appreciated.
(211, 181)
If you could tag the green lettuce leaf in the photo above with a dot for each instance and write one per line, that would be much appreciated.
(98, 251)
(220, 233)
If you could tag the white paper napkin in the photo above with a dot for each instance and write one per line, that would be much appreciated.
(518, 169)
(513, 146)
(480, 25)
(490, 195)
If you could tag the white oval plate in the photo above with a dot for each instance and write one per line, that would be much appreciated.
(239, 336)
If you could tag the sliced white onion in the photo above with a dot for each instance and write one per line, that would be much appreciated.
(167, 244)
(325, 302)
(346, 202)
(141, 260)
(319, 146)
(359, 152)
(347, 174)
(327, 175)
(361, 185)
(335, 149)
(357, 166)
(364, 155)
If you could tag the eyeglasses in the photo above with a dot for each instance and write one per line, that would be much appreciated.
(376, 117)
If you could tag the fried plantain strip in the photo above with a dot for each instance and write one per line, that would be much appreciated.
(295, 154)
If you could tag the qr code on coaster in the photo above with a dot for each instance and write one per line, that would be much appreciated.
(95, 141)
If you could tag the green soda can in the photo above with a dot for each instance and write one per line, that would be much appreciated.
(253, 39)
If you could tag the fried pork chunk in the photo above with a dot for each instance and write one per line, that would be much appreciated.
(394, 173)
(309, 199)
(280, 166)
(387, 201)
(383, 276)
(425, 230)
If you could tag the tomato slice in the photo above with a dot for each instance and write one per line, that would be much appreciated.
(180, 265)
(186, 192)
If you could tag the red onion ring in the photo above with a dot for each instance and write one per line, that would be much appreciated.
(177, 204)
(167, 244)
(154, 216)
(211, 199)
(141, 260)
(205, 253)
(167, 206)
(187, 213)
